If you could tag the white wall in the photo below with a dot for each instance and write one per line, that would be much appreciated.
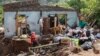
(32, 20)
(9, 23)
(71, 16)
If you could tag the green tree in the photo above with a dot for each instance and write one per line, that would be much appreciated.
(77, 4)
(90, 7)
(96, 13)
(1, 14)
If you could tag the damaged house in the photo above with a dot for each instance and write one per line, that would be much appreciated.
(30, 12)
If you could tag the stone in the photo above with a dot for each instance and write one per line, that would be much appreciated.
(96, 47)
(76, 49)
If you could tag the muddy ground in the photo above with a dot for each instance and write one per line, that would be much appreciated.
(85, 53)
(6, 50)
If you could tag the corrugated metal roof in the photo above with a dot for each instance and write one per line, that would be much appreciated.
(32, 6)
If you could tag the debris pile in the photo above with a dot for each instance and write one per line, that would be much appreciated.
(79, 42)
(20, 45)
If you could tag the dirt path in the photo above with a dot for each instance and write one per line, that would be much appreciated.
(85, 53)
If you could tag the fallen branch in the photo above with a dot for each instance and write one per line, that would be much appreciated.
(43, 46)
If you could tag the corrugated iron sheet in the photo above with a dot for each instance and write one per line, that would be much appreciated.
(32, 6)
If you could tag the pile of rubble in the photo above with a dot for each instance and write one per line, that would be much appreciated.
(48, 45)
(12, 48)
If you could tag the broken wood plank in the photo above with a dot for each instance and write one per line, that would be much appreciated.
(93, 22)
(43, 46)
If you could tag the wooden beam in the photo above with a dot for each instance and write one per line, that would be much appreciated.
(43, 46)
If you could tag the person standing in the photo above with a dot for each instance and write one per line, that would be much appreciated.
(82, 22)
(41, 25)
(28, 29)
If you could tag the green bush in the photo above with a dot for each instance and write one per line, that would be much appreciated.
(1, 14)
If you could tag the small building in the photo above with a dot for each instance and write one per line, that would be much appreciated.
(33, 11)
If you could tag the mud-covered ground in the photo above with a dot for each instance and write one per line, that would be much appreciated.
(85, 53)
(6, 50)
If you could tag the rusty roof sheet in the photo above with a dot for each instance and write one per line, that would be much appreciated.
(32, 6)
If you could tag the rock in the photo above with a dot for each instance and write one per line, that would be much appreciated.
(76, 49)
(1, 30)
(96, 47)
(22, 54)
(63, 52)
(87, 45)
(66, 53)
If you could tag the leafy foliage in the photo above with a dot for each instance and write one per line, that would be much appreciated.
(89, 8)
(1, 14)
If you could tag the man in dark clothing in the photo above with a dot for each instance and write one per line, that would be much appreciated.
(88, 33)
(28, 29)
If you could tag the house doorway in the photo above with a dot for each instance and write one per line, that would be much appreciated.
(21, 24)
(63, 19)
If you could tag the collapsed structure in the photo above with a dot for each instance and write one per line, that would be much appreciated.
(30, 12)
(20, 16)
